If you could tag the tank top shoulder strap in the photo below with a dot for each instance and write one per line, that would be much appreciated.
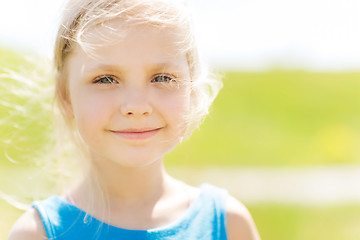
(61, 219)
(48, 214)
(217, 196)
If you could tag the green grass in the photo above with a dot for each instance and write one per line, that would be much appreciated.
(279, 118)
(25, 116)
(282, 222)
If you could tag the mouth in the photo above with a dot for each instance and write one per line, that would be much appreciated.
(137, 134)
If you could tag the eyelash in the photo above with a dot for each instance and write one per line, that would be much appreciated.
(112, 79)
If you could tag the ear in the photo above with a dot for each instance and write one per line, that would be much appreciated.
(63, 97)
(67, 108)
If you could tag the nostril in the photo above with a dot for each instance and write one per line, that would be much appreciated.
(135, 110)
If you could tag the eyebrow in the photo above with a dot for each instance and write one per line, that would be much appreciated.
(161, 65)
(151, 67)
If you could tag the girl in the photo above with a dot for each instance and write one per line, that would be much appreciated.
(130, 86)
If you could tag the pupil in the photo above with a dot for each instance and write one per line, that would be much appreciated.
(106, 80)
(162, 78)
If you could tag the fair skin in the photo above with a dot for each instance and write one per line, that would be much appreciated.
(130, 101)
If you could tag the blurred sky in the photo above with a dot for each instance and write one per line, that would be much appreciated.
(320, 35)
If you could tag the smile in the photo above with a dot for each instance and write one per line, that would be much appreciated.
(137, 134)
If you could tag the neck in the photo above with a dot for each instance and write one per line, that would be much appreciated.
(129, 185)
(136, 198)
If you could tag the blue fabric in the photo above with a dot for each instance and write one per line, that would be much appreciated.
(204, 219)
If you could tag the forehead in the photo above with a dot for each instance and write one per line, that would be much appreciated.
(116, 43)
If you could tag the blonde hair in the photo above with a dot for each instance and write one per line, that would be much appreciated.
(80, 16)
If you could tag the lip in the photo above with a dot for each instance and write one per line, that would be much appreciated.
(137, 134)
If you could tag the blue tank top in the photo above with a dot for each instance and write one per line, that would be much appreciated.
(204, 219)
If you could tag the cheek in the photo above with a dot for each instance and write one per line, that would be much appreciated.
(91, 111)
(176, 110)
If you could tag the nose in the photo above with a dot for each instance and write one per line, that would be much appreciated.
(136, 104)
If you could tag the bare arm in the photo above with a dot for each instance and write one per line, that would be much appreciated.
(239, 225)
(28, 227)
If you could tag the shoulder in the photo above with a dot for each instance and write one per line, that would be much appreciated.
(239, 224)
(28, 227)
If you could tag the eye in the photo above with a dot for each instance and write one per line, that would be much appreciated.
(106, 79)
(163, 78)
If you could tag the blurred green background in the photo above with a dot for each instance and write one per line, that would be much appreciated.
(275, 118)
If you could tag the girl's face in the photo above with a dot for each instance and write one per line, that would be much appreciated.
(130, 99)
